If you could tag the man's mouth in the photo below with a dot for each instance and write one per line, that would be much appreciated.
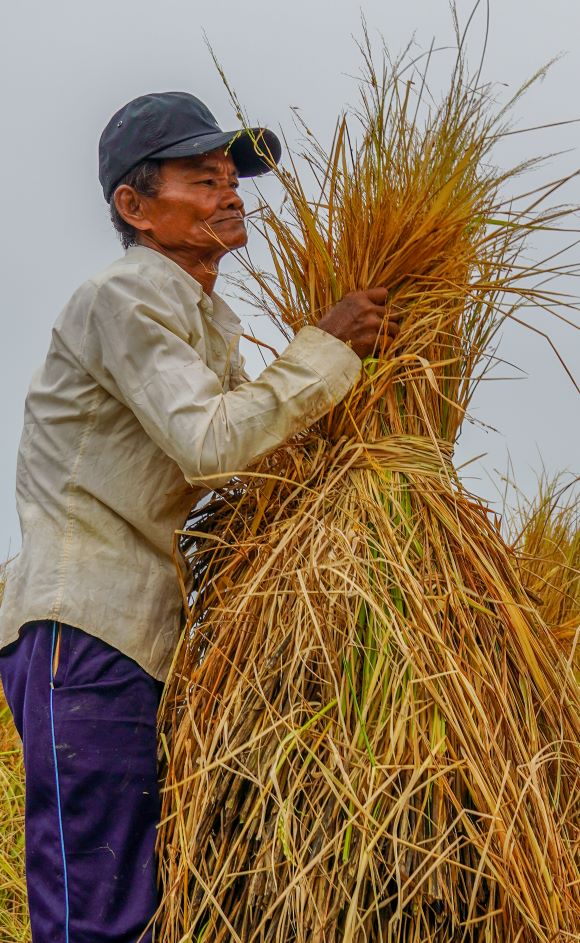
(226, 219)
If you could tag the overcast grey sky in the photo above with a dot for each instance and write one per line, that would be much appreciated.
(68, 65)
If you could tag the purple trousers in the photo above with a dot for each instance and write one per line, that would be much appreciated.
(92, 800)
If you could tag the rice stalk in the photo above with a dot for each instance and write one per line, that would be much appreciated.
(546, 536)
(370, 732)
(14, 923)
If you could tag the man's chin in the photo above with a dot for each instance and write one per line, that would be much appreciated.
(237, 241)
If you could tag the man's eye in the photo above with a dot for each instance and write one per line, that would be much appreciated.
(212, 182)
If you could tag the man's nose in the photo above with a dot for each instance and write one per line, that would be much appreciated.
(232, 199)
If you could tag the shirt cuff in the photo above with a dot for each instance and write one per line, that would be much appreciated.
(335, 362)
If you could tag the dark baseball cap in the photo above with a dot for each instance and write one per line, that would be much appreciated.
(177, 124)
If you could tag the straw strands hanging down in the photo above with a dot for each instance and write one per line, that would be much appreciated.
(370, 733)
(14, 923)
(546, 536)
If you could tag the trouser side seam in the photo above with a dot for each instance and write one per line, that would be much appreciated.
(57, 784)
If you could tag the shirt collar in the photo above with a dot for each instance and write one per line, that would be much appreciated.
(212, 304)
(152, 257)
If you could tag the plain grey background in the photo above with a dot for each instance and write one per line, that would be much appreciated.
(69, 64)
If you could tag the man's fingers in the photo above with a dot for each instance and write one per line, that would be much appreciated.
(385, 325)
(391, 314)
(378, 296)
(364, 319)
(389, 333)
(395, 313)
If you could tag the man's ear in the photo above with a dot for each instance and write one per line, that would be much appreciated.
(132, 206)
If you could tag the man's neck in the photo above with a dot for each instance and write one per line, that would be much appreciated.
(204, 270)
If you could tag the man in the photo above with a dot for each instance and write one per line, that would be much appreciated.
(141, 404)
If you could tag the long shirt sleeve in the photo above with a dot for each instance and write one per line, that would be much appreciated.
(145, 355)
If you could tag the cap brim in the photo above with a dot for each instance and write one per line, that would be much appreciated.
(254, 150)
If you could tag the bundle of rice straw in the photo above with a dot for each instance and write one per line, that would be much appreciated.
(546, 536)
(370, 732)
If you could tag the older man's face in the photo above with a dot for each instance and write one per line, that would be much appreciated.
(198, 208)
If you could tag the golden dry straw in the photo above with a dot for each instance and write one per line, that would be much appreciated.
(370, 732)
(546, 536)
(14, 923)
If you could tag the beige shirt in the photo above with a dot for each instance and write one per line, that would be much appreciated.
(141, 402)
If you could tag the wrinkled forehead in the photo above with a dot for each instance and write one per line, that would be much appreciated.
(218, 161)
